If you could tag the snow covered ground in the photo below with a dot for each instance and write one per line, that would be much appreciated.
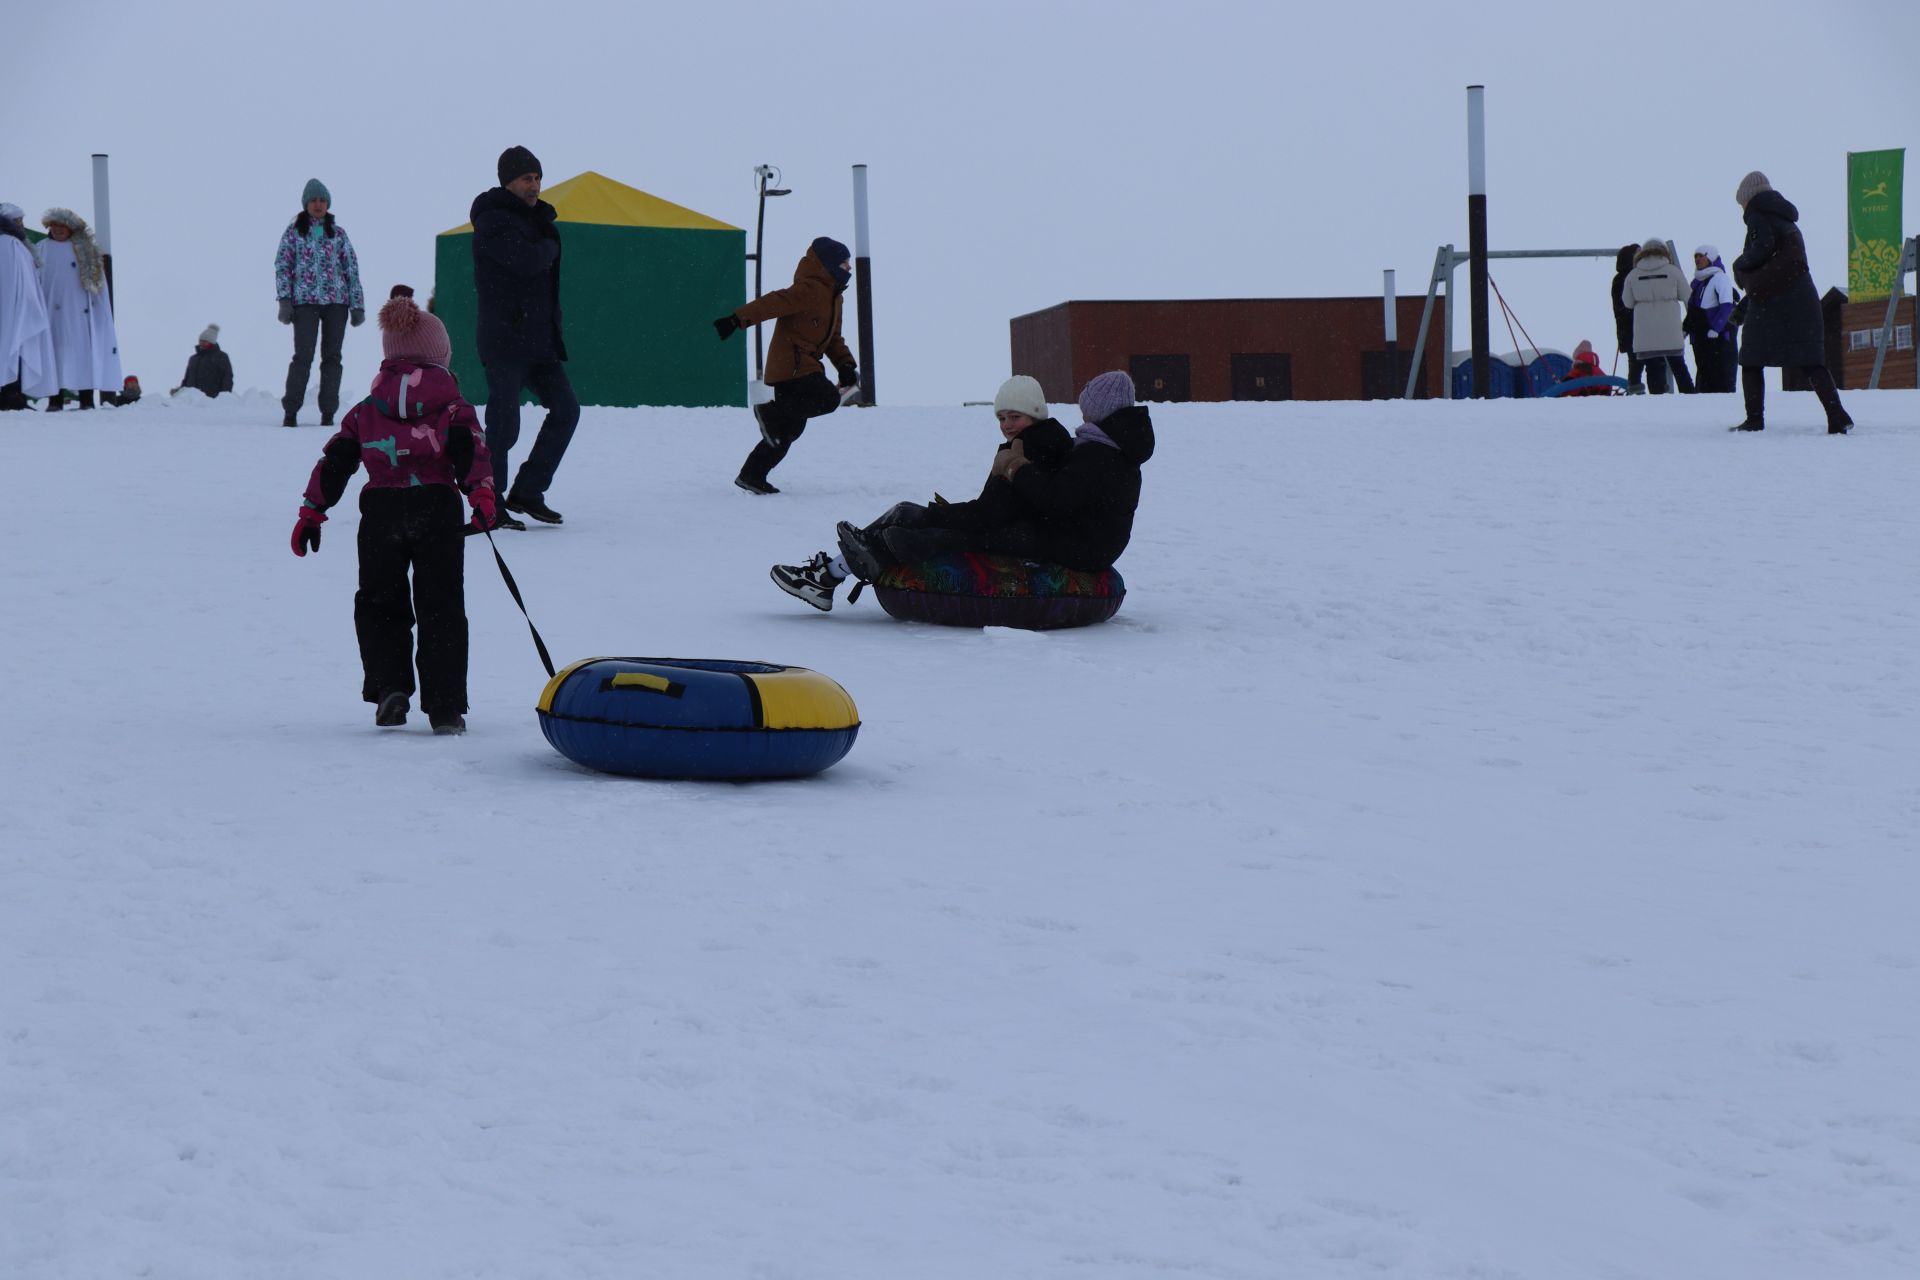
(1482, 846)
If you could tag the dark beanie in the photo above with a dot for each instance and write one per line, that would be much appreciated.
(517, 162)
(831, 254)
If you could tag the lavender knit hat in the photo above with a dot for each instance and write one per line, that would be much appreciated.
(1104, 395)
(408, 333)
(1750, 186)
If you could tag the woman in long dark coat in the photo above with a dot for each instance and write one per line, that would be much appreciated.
(1783, 326)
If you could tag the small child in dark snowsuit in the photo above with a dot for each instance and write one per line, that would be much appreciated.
(994, 521)
(422, 446)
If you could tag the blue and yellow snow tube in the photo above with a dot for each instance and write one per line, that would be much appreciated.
(697, 718)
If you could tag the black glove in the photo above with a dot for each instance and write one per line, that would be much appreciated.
(286, 311)
(726, 326)
(849, 377)
(1739, 315)
(357, 317)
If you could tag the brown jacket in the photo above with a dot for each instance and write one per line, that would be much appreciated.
(808, 312)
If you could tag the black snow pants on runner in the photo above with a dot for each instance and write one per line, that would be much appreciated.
(419, 528)
(794, 402)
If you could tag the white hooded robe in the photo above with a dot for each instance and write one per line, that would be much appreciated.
(86, 351)
(26, 339)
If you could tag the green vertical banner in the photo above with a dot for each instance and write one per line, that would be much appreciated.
(1873, 223)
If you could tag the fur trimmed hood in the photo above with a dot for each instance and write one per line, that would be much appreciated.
(1652, 249)
(93, 272)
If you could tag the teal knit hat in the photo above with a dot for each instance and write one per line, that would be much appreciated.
(315, 190)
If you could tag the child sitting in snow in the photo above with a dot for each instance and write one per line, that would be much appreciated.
(209, 371)
(1586, 364)
(909, 531)
(422, 447)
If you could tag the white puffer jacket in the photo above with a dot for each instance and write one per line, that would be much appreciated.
(1656, 290)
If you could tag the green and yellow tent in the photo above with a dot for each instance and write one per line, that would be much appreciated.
(640, 280)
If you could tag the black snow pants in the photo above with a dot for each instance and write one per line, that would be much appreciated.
(419, 528)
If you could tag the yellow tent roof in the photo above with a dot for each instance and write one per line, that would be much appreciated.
(595, 198)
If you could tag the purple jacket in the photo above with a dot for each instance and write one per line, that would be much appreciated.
(413, 429)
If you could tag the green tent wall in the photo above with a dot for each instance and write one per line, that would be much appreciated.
(640, 281)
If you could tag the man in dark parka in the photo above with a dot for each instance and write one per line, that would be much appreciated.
(516, 277)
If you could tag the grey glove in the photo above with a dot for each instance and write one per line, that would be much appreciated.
(286, 311)
(357, 317)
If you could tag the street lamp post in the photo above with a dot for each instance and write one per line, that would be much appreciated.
(763, 175)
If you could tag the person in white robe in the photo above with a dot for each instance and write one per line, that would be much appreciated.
(73, 279)
(26, 340)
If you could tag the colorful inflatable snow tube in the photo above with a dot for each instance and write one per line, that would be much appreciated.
(973, 590)
(697, 718)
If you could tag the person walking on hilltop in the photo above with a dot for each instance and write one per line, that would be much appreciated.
(807, 329)
(316, 277)
(1783, 322)
(422, 448)
(73, 280)
(516, 277)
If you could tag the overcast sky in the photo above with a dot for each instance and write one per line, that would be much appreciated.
(1021, 154)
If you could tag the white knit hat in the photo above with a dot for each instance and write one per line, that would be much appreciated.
(211, 334)
(1021, 394)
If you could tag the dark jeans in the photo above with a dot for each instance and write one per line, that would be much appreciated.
(1634, 366)
(419, 527)
(1753, 384)
(548, 381)
(1657, 367)
(327, 324)
(794, 401)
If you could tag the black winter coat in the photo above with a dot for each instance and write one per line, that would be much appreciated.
(1785, 327)
(1046, 445)
(209, 371)
(516, 278)
(1622, 313)
(1087, 505)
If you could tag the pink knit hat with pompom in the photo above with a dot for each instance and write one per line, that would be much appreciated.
(408, 333)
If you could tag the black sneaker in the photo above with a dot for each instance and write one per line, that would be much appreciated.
(326, 419)
(533, 507)
(751, 485)
(1839, 426)
(448, 726)
(290, 420)
(864, 553)
(1749, 425)
(392, 711)
(812, 581)
(503, 520)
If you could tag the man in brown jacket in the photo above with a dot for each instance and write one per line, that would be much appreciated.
(808, 328)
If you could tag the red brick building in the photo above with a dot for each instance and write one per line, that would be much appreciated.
(1228, 349)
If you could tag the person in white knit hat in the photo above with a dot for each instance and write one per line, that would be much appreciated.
(1020, 408)
(208, 369)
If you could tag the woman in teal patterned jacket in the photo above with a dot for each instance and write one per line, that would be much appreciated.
(316, 277)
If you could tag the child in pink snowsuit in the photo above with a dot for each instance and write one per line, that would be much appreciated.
(422, 447)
